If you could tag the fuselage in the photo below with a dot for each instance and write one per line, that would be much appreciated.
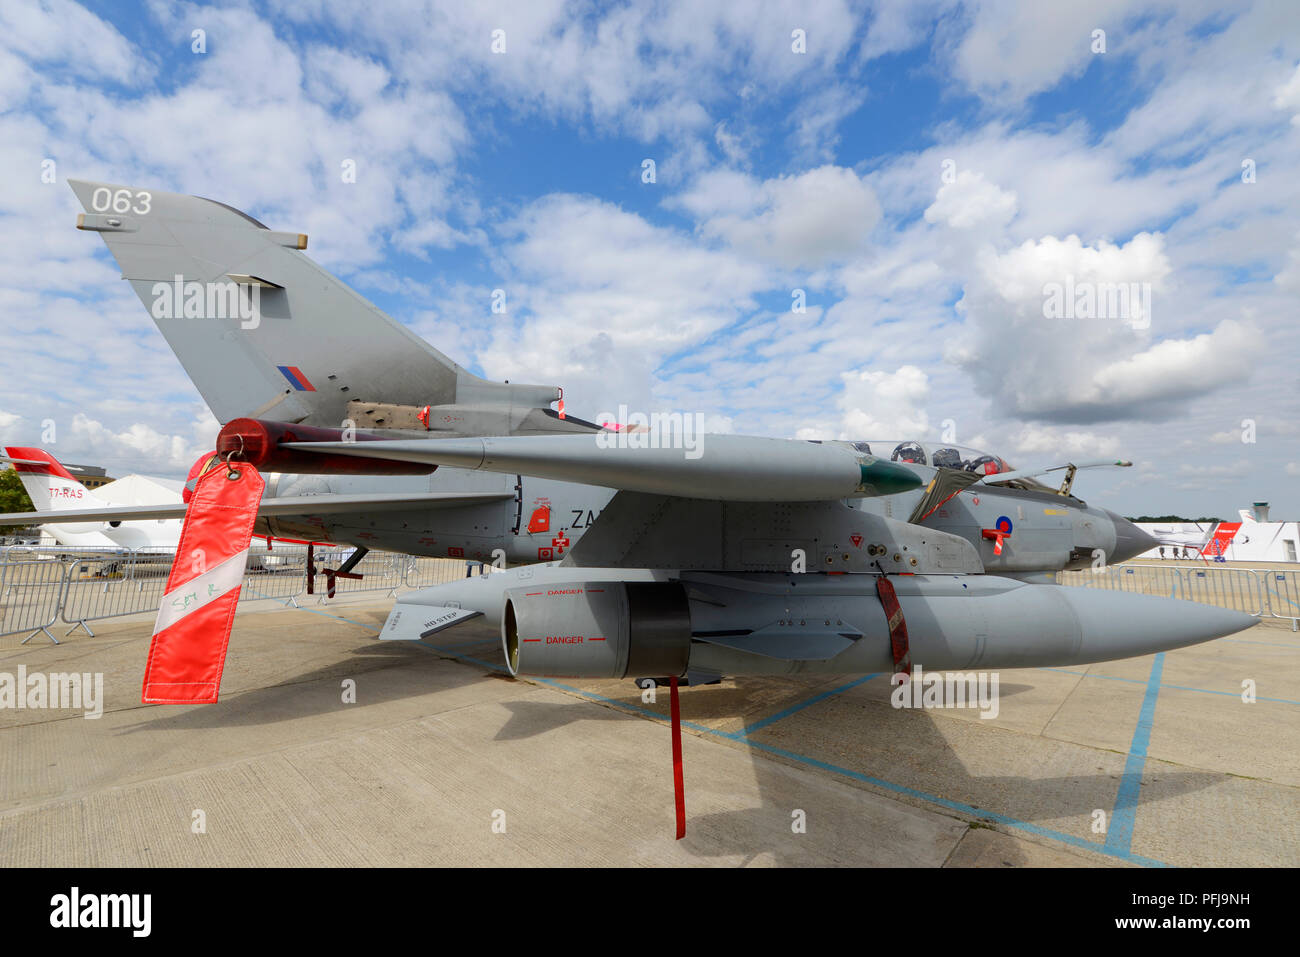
(543, 519)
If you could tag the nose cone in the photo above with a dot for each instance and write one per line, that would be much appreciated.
(886, 478)
(1130, 541)
(1125, 625)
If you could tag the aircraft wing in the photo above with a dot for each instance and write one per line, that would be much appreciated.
(411, 621)
(288, 505)
(999, 477)
(739, 468)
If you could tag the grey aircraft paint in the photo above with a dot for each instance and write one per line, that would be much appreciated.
(757, 556)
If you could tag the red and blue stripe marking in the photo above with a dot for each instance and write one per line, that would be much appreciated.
(296, 378)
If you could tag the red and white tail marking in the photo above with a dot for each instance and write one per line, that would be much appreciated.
(1222, 537)
(49, 485)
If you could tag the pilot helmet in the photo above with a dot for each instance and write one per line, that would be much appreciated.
(946, 459)
(909, 452)
(985, 465)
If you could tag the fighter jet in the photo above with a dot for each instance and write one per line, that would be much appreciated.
(741, 555)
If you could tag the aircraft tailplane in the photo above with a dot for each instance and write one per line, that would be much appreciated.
(49, 485)
(266, 333)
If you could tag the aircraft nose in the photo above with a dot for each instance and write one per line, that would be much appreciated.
(1130, 541)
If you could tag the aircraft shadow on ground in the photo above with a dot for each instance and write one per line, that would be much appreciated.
(530, 718)
(384, 672)
(905, 748)
(861, 732)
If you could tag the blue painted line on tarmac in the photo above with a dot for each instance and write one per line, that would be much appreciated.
(647, 712)
(793, 709)
(982, 813)
(314, 611)
(1230, 694)
(1283, 598)
(1271, 644)
(1119, 836)
(474, 661)
(468, 644)
(1125, 854)
(1139, 681)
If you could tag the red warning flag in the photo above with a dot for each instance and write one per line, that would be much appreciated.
(198, 607)
(996, 535)
(897, 626)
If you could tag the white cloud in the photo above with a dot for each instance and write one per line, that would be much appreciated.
(885, 404)
(597, 297)
(1043, 442)
(898, 25)
(730, 143)
(817, 119)
(1289, 276)
(970, 200)
(66, 34)
(1175, 367)
(648, 70)
(1088, 369)
(1287, 97)
(140, 443)
(1012, 50)
(808, 220)
(1020, 275)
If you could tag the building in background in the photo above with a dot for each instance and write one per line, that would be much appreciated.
(91, 476)
(1252, 539)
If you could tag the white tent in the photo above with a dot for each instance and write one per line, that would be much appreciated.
(141, 490)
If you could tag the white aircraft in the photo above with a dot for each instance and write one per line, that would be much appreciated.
(52, 488)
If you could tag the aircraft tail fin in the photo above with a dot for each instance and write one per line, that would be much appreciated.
(265, 333)
(50, 486)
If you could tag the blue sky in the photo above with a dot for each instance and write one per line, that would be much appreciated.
(924, 171)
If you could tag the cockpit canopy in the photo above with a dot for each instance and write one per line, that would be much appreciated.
(937, 454)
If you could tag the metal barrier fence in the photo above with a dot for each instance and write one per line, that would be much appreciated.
(275, 573)
(30, 594)
(108, 586)
(1282, 589)
(379, 571)
(93, 584)
(52, 551)
(424, 572)
(1139, 579)
(1235, 588)
(45, 585)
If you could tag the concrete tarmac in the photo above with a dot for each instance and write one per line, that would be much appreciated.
(443, 760)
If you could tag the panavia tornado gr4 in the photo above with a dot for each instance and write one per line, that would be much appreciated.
(635, 551)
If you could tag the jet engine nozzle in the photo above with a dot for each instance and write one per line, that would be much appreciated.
(260, 443)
